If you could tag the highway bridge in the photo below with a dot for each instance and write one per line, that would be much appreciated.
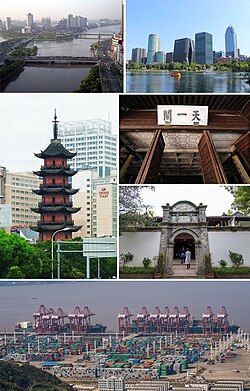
(60, 60)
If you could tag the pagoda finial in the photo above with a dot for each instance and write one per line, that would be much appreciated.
(55, 126)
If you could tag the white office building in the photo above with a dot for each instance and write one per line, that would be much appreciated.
(111, 384)
(94, 143)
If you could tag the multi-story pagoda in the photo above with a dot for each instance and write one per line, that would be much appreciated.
(56, 207)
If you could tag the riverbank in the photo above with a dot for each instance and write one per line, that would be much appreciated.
(10, 71)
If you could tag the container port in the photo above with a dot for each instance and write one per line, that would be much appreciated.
(150, 346)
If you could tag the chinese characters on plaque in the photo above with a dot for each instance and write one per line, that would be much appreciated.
(182, 115)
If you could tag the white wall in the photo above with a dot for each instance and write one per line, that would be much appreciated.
(221, 242)
(140, 244)
(147, 244)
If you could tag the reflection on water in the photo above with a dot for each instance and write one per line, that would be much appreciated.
(48, 79)
(160, 81)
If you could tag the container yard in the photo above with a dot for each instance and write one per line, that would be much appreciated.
(154, 346)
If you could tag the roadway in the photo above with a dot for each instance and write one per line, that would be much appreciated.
(112, 79)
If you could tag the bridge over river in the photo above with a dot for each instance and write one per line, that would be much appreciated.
(60, 60)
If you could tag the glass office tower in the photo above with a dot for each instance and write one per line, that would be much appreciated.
(231, 42)
(153, 47)
(203, 48)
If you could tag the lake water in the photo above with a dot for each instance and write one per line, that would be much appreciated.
(160, 81)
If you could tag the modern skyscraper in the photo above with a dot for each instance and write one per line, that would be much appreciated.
(94, 143)
(160, 57)
(138, 54)
(46, 22)
(204, 48)
(29, 21)
(153, 47)
(8, 23)
(184, 50)
(169, 57)
(231, 42)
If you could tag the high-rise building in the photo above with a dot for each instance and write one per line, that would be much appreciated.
(46, 22)
(138, 54)
(160, 57)
(29, 21)
(111, 384)
(153, 47)
(70, 21)
(97, 199)
(184, 50)
(231, 42)
(2, 184)
(18, 194)
(81, 22)
(94, 143)
(169, 57)
(204, 48)
(8, 23)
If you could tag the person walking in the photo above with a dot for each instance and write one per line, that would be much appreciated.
(188, 258)
(183, 255)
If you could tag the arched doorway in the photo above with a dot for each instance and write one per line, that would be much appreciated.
(183, 241)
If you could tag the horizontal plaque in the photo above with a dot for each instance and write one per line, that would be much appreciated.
(182, 115)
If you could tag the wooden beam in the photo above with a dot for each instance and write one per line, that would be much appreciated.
(147, 121)
(211, 166)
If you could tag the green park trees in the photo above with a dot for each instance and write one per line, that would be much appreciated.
(20, 259)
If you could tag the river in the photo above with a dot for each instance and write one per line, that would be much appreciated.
(57, 79)
(48, 79)
(211, 82)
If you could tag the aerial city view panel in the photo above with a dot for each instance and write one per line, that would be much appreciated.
(188, 47)
(52, 47)
(125, 336)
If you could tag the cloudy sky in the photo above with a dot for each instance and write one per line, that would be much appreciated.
(26, 126)
(57, 9)
(107, 298)
(217, 199)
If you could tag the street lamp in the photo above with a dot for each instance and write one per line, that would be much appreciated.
(52, 248)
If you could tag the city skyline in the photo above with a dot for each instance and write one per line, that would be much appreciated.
(107, 299)
(17, 150)
(93, 10)
(161, 20)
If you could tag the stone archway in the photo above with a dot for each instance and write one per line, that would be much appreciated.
(193, 238)
(184, 220)
(182, 242)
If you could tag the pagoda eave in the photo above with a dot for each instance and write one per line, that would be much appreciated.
(55, 227)
(55, 171)
(51, 190)
(43, 209)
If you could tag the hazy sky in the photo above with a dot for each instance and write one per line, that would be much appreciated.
(217, 199)
(26, 126)
(57, 9)
(107, 299)
(182, 19)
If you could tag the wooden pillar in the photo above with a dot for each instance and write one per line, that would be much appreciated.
(125, 166)
(151, 164)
